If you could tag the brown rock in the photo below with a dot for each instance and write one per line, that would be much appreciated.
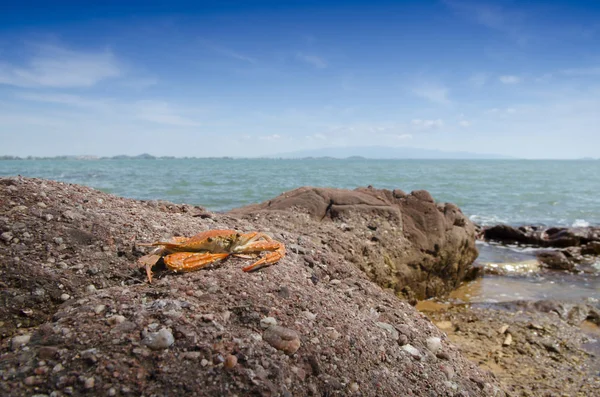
(281, 338)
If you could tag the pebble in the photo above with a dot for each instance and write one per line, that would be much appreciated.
(191, 355)
(90, 289)
(112, 392)
(42, 205)
(284, 339)
(89, 383)
(65, 297)
(402, 340)
(414, 352)
(6, 236)
(332, 333)
(58, 240)
(335, 281)
(389, 328)
(230, 361)
(99, 309)
(309, 315)
(57, 368)
(353, 387)
(159, 340)
(19, 340)
(268, 322)
(47, 352)
(507, 340)
(203, 362)
(503, 329)
(114, 320)
(434, 344)
(48, 217)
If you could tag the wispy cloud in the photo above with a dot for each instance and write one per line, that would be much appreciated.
(227, 52)
(427, 124)
(464, 123)
(432, 92)
(272, 137)
(52, 66)
(492, 16)
(313, 60)
(509, 79)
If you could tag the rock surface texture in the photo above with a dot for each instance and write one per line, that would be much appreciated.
(78, 317)
(402, 241)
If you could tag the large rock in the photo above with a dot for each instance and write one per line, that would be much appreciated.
(201, 333)
(558, 237)
(402, 241)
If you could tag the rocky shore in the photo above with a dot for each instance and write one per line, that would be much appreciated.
(78, 317)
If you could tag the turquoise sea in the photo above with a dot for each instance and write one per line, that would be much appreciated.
(489, 191)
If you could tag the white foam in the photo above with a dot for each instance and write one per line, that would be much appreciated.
(580, 223)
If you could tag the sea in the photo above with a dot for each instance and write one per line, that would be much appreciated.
(515, 192)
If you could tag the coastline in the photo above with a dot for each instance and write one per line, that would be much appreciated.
(79, 247)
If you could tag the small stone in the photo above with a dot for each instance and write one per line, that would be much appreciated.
(65, 297)
(443, 355)
(284, 292)
(114, 320)
(159, 340)
(267, 322)
(507, 340)
(19, 340)
(309, 315)
(230, 361)
(281, 338)
(191, 355)
(434, 344)
(112, 392)
(353, 387)
(335, 282)
(332, 333)
(203, 362)
(91, 289)
(448, 371)
(47, 352)
(414, 352)
(6, 236)
(57, 368)
(89, 383)
(218, 359)
(402, 339)
(58, 240)
(389, 328)
(99, 309)
(42, 205)
(208, 317)
(503, 329)
(48, 217)
(30, 380)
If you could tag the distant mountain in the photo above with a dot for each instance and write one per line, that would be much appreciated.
(382, 152)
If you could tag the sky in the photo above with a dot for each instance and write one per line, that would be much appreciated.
(254, 78)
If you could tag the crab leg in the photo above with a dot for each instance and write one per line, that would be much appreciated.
(190, 261)
(278, 252)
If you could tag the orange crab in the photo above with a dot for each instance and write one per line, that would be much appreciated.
(186, 254)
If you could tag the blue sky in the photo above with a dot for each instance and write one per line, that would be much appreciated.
(245, 78)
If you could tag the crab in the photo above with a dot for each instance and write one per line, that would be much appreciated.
(187, 254)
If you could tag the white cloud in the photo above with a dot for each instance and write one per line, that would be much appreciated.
(269, 137)
(432, 92)
(161, 113)
(312, 60)
(53, 66)
(427, 124)
(464, 123)
(509, 79)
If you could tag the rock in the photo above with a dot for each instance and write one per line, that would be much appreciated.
(429, 246)
(284, 339)
(414, 352)
(6, 236)
(503, 329)
(114, 320)
(267, 322)
(507, 340)
(89, 383)
(19, 340)
(555, 260)
(47, 352)
(159, 340)
(389, 328)
(65, 297)
(91, 289)
(230, 361)
(434, 344)
(591, 248)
